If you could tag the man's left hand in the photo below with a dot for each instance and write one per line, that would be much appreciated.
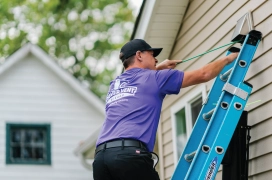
(167, 64)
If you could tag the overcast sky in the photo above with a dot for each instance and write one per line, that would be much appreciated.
(136, 4)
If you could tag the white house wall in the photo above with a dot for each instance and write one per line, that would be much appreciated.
(209, 24)
(31, 93)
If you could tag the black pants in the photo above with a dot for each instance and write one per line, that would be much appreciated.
(124, 163)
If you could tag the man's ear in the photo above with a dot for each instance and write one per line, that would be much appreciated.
(138, 56)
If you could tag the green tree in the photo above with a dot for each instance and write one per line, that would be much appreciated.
(83, 36)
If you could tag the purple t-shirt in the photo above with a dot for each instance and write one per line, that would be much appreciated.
(134, 102)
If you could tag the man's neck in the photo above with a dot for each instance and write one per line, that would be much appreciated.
(133, 66)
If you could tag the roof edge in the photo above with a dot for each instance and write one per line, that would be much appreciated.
(50, 63)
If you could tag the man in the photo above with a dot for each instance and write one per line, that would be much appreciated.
(133, 105)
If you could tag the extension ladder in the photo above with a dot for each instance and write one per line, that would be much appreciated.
(219, 116)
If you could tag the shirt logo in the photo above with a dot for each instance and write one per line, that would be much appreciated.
(120, 90)
(117, 84)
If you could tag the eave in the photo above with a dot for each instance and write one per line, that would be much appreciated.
(159, 22)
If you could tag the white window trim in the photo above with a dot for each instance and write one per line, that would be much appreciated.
(185, 101)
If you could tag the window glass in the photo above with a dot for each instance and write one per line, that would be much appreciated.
(195, 109)
(28, 144)
(184, 113)
(181, 130)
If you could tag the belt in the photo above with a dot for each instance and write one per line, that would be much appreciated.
(120, 143)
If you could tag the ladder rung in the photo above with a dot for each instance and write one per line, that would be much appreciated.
(208, 115)
(225, 76)
(190, 157)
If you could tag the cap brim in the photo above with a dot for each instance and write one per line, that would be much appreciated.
(156, 51)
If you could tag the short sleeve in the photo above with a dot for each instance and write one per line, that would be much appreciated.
(169, 80)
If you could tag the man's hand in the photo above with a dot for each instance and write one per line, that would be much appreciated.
(167, 64)
(231, 57)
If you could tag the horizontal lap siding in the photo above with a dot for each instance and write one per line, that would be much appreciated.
(32, 93)
(208, 25)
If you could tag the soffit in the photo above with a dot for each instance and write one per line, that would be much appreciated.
(160, 22)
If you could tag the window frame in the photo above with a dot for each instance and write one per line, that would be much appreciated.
(185, 102)
(47, 127)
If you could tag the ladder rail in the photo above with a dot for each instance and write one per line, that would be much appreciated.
(220, 113)
(201, 124)
(210, 138)
(220, 118)
(224, 138)
(215, 123)
(247, 53)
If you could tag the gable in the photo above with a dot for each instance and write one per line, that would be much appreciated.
(30, 53)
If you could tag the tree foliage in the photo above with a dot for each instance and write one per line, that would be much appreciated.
(83, 36)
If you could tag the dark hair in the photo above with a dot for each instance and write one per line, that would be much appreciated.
(126, 62)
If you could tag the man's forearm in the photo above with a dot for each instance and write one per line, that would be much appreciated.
(213, 69)
(207, 72)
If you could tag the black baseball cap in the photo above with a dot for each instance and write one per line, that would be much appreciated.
(131, 47)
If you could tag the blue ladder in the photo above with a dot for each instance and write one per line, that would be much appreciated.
(218, 117)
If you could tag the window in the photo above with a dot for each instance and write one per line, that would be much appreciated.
(181, 134)
(28, 144)
(184, 114)
(196, 106)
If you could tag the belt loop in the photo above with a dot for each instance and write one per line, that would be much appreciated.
(123, 142)
(141, 146)
(104, 148)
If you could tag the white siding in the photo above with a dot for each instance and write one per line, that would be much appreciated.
(31, 93)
